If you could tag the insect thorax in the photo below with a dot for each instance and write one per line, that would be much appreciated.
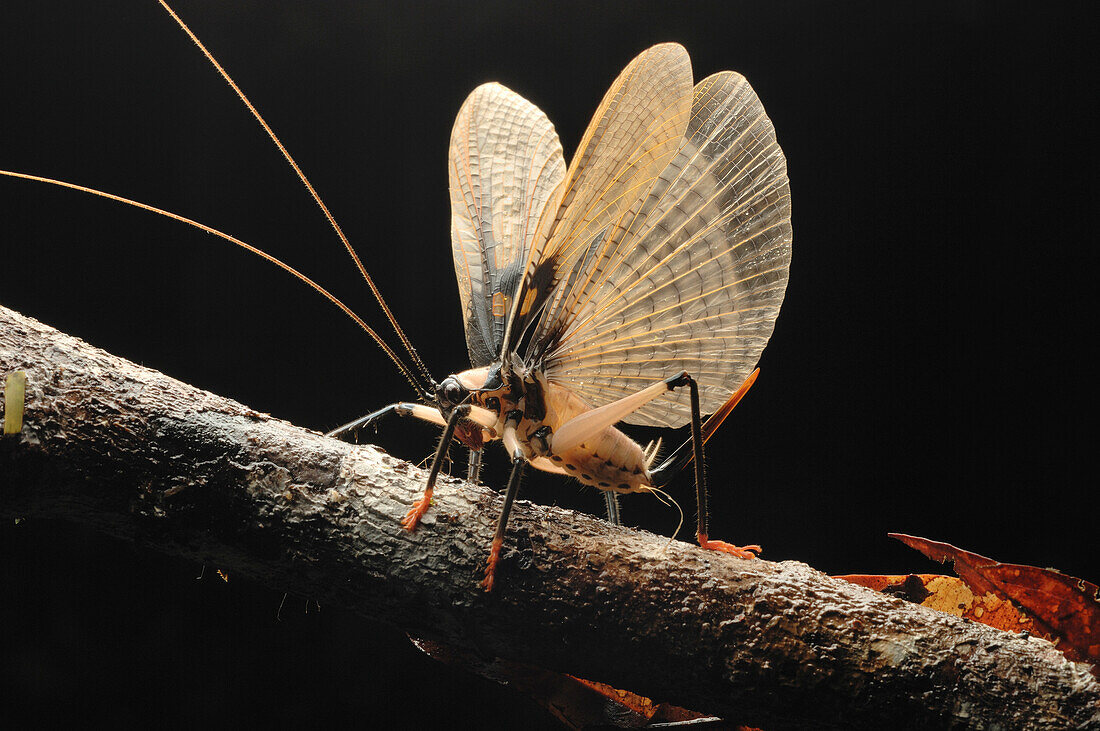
(535, 408)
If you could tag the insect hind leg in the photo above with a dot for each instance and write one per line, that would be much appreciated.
(611, 501)
(581, 427)
(473, 469)
(697, 441)
(678, 460)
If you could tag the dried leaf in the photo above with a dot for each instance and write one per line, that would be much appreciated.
(653, 712)
(951, 594)
(1064, 609)
(575, 703)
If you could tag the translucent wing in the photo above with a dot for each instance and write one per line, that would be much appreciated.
(698, 278)
(635, 132)
(505, 164)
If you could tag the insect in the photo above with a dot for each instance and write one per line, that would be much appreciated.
(649, 270)
(640, 283)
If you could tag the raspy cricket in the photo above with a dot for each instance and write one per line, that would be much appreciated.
(639, 283)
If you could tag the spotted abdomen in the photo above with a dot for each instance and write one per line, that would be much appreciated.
(610, 461)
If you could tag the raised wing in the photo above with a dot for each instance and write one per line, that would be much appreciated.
(505, 164)
(636, 130)
(697, 279)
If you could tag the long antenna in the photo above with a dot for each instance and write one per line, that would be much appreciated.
(317, 198)
(405, 370)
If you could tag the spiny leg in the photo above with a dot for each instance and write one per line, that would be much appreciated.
(680, 457)
(611, 500)
(416, 512)
(518, 463)
(401, 409)
(701, 477)
(473, 470)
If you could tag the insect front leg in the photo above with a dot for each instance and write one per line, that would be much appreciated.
(519, 462)
(479, 416)
(416, 512)
(476, 414)
(427, 413)
(402, 408)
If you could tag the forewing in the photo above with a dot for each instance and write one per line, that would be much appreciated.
(634, 133)
(697, 282)
(505, 164)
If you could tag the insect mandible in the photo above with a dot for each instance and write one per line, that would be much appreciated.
(640, 283)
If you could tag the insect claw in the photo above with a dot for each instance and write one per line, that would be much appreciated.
(416, 512)
(491, 567)
(749, 551)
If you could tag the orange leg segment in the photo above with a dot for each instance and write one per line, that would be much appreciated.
(518, 463)
(739, 551)
(416, 512)
(491, 567)
(697, 440)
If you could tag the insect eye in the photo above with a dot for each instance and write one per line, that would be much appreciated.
(492, 403)
(453, 392)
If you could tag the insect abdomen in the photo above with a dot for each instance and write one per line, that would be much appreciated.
(610, 460)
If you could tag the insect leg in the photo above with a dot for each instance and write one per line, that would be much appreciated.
(416, 512)
(611, 498)
(701, 476)
(576, 430)
(663, 473)
(473, 471)
(401, 409)
(518, 463)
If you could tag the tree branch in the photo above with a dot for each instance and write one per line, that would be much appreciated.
(138, 454)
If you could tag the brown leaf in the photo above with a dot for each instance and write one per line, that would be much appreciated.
(1064, 609)
(951, 594)
(653, 712)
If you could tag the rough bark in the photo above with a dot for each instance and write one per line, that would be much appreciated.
(776, 645)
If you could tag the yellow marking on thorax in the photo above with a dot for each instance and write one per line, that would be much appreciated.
(500, 305)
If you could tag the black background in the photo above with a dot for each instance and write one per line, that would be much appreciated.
(929, 372)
